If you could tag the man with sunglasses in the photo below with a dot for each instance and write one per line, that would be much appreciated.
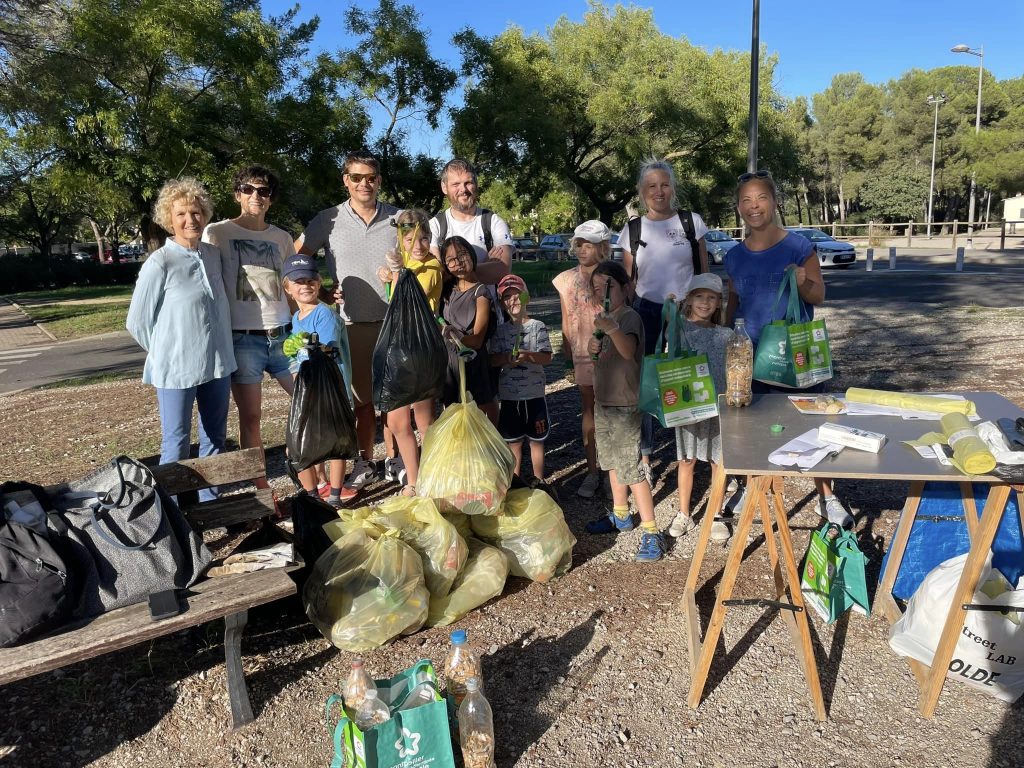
(253, 253)
(355, 236)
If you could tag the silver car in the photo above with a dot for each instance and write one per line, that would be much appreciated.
(718, 244)
(831, 252)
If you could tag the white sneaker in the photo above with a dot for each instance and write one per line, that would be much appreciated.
(363, 473)
(833, 510)
(682, 524)
(589, 485)
(720, 532)
(735, 502)
(394, 470)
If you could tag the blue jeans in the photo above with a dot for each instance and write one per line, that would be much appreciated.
(650, 315)
(176, 422)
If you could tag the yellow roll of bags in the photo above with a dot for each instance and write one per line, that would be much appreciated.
(969, 450)
(910, 402)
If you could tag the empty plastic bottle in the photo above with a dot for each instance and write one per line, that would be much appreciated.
(358, 684)
(461, 664)
(476, 727)
(425, 692)
(739, 367)
(372, 711)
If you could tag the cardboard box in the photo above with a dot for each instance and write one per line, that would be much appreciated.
(851, 437)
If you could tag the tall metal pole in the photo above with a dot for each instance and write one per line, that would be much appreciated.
(980, 53)
(755, 50)
(936, 100)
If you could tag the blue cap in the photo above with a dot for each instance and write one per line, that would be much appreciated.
(459, 636)
(300, 267)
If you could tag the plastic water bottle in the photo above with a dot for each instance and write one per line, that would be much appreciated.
(476, 727)
(425, 692)
(461, 664)
(739, 367)
(358, 684)
(372, 711)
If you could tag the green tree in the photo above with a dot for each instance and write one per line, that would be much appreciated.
(895, 192)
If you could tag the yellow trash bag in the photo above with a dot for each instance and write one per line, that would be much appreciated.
(366, 590)
(421, 526)
(482, 578)
(532, 533)
(460, 521)
(465, 465)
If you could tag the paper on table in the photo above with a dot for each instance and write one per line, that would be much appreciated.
(803, 451)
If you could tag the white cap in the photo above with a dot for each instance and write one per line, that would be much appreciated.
(707, 280)
(592, 231)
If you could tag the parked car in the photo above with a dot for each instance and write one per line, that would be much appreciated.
(526, 247)
(718, 244)
(555, 246)
(831, 252)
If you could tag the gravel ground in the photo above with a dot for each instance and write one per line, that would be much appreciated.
(588, 670)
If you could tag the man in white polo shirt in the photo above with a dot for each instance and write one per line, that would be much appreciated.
(355, 236)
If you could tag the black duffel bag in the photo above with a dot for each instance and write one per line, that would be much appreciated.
(127, 537)
(37, 589)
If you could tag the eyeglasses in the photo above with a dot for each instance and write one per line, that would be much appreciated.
(358, 177)
(248, 189)
(745, 177)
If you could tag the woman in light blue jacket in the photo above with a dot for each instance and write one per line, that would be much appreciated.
(180, 315)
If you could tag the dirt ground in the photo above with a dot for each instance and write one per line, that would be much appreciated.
(588, 670)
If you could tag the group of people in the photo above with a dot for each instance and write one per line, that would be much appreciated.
(220, 304)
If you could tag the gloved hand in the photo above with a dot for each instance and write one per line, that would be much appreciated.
(393, 260)
(294, 343)
(605, 322)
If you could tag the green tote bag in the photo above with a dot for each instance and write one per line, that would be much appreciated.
(793, 352)
(834, 577)
(676, 386)
(412, 738)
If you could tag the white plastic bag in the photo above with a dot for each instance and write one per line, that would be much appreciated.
(990, 652)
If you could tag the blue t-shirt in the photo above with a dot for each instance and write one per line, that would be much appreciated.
(757, 275)
(331, 330)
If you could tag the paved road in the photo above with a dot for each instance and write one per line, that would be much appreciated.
(921, 279)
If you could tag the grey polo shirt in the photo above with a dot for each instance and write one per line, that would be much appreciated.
(355, 250)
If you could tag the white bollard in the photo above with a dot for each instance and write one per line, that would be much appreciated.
(870, 256)
(959, 259)
(892, 257)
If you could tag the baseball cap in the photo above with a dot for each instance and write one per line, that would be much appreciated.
(707, 280)
(511, 282)
(592, 231)
(299, 267)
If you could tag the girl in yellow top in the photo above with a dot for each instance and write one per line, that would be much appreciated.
(412, 253)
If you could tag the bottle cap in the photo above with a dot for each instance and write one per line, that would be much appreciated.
(357, 662)
(473, 684)
(459, 636)
(776, 428)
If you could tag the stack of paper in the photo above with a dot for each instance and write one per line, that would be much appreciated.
(804, 451)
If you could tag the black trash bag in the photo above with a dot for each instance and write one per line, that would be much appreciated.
(321, 424)
(410, 360)
(309, 515)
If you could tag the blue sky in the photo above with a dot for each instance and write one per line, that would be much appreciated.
(881, 39)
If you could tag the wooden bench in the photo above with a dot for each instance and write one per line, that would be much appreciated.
(228, 597)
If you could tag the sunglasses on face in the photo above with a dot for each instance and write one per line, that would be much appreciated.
(745, 177)
(248, 189)
(355, 178)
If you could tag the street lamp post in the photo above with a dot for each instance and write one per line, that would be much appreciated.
(980, 53)
(755, 51)
(936, 101)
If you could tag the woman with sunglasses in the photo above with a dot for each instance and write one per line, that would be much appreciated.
(253, 253)
(662, 264)
(756, 268)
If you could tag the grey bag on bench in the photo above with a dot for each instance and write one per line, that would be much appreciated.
(128, 538)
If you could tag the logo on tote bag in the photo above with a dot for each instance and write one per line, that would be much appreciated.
(414, 744)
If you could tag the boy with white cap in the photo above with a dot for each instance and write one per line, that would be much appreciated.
(702, 440)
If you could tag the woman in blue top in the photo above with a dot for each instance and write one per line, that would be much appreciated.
(756, 268)
(180, 315)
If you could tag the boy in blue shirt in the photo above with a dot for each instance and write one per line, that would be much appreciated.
(301, 282)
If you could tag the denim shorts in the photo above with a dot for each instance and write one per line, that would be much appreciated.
(256, 354)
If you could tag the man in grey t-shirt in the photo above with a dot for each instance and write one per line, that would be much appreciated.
(356, 235)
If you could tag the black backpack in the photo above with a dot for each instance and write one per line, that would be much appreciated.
(691, 234)
(36, 586)
(485, 222)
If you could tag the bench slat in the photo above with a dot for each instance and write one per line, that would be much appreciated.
(237, 508)
(207, 600)
(196, 474)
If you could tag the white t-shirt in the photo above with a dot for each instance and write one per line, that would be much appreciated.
(251, 264)
(473, 231)
(665, 263)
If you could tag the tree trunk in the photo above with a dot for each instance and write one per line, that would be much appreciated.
(799, 213)
(152, 234)
(842, 205)
(98, 237)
